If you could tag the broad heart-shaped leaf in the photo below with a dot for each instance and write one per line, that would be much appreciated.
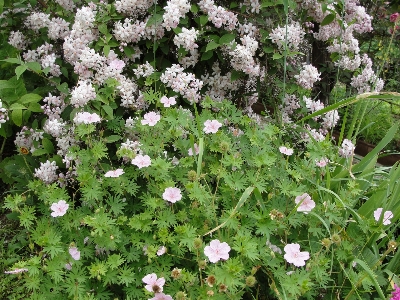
(16, 116)
(15, 106)
(154, 19)
(206, 55)
(48, 145)
(35, 107)
(211, 45)
(328, 19)
(35, 66)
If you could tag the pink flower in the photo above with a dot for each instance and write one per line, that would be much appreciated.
(117, 64)
(396, 293)
(386, 216)
(286, 151)
(86, 118)
(217, 251)
(161, 296)
(153, 284)
(196, 150)
(322, 162)
(151, 118)
(294, 256)
(116, 173)
(161, 250)
(75, 253)
(68, 266)
(307, 204)
(394, 17)
(211, 126)
(16, 271)
(141, 161)
(59, 209)
(167, 101)
(172, 194)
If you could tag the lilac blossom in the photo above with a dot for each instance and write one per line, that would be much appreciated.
(47, 172)
(396, 293)
(308, 76)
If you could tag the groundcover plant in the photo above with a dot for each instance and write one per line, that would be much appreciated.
(141, 171)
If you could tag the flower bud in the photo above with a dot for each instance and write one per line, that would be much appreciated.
(192, 175)
(222, 288)
(392, 245)
(251, 281)
(202, 264)
(197, 243)
(210, 293)
(224, 146)
(180, 296)
(336, 239)
(326, 242)
(210, 280)
(176, 273)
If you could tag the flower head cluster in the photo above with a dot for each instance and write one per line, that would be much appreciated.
(306, 203)
(217, 251)
(18, 40)
(294, 256)
(144, 70)
(211, 126)
(47, 172)
(174, 10)
(293, 36)
(187, 39)
(347, 148)
(153, 284)
(82, 93)
(396, 293)
(218, 15)
(243, 56)
(172, 194)
(386, 216)
(3, 114)
(367, 81)
(59, 208)
(308, 76)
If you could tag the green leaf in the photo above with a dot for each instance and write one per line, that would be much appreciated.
(48, 145)
(371, 276)
(194, 8)
(35, 107)
(1, 6)
(154, 19)
(277, 56)
(103, 28)
(203, 20)
(212, 45)
(20, 70)
(227, 38)
(237, 74)
(13, 60)
(63, 88)
(16, 116)
(106, 50)
(16, 106)
(30, 98)
(35, 66)
(112, 138)
(39, 152)
(328, 19)
(206, 55)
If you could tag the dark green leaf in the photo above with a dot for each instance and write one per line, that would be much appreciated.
(206, 55)
(48, 145)
(212, 45)
(35, 107)
(154, 19)
(15, 106)
(203, 20)
(20, 70)
(63, 88)
(30, 98)
(328, 19)
(227, 38)
(16, 116)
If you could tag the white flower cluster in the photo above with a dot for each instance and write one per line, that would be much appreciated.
(127, 88)
(347, 148)
(129, 31)
(313, 106)
(54, 106)
(144, 70)
(86, 118)
(218, 15)
(66, 4)
(252, 6)
(133, 7)
(54, 127)
(58, 29)
(45, 57)
(82, 93)
(308, 76)
(292, 38)
(129, 150)
(330, 119)
(47, 172)
(3, 114)
(187, 39)
(37, 20)
(174, 10)
(183, 83)
(219, 86)
(242, 56)
(367, 81)
(17, 40)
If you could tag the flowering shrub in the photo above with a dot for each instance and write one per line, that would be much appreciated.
(136, 178)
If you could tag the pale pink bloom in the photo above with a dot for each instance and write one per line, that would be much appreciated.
(394, 17)
(286, 151)
(167, 101)
(211, 126)
(153, 284)
(306, 205)
(86, 118)
(16, 271)
(161, 250)
(294, 256)
(115, 173)
(386, 216)
(117, 64)
(75, 253)
(196, 150)
(141, 161)
(151, 118)
(161, 296)
(322, 162)
(59, 209)
(172, 194)
(217, 251)
(68, 266)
